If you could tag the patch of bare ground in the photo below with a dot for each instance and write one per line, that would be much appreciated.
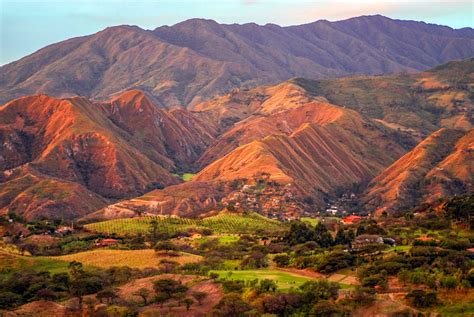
(196, 284)
(302, 272)
(386, 305)
(39, 309)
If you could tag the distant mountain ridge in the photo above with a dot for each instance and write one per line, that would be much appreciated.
(189, 62)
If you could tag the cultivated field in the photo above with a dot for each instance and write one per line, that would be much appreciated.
(139, 259)
(223, 223)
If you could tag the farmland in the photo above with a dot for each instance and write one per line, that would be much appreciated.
(284, 280)
(222, 223)
(12, 262)
(139, 259)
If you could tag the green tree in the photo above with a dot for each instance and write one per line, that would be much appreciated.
(9, 299)
(188, 302)
(282, 260)
(169, 287)
(322, 236)
(143, 293)
(267, 285)
(313, 291)
(231, 305)
(422, 299)
(199, 296)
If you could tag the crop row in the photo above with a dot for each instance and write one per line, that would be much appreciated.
(249, 223)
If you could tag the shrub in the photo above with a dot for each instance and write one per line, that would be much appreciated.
(422, 299)
(282, 260)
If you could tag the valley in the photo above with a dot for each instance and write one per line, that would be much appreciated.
(206, 169)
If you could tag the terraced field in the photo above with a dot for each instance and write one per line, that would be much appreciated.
(222, 223)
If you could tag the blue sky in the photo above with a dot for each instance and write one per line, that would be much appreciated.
(28, 25)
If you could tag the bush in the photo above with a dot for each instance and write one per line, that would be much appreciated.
(422, 299)
(9, 299)
(282, 260)
(449, 282)
(233, 286)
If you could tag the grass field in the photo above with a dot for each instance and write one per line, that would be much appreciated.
(186, 176)
(404, 248)
(311, 221)
(460, 309)
(284, 280)
(140, 259)
(222, 223)
(12, 262)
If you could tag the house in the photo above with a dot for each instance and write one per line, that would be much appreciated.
(365, 240)
(350, 220)
(106, 242)
(64, 230)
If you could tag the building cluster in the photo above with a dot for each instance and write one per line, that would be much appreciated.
(269, 199)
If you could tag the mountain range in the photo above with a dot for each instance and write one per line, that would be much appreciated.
(187, 63)
(301, 142)
(127, 111)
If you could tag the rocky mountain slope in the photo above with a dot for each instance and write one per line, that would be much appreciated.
(111, 150)
(440, 166)
(300, 141)
(319, 149)
(184, 64)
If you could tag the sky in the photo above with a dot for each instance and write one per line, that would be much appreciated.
(28, 25)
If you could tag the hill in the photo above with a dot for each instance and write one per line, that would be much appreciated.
(189, 62)
(304, 153)
(56, 152)
(300, 140)
(289, 140)
(440, 166)
(418, 103)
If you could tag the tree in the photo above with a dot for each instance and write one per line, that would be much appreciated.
(46, 294)
(340, 237)
(108, 294)
(421, 299)
(233, 286)
(143, 293)
(9, 299)
(255, 260)
(282, 260)
(313, 291)
(231, 305)
(199, 296)
(334, 261)
(165, 246)
(325, 308)
(161, 298)
(267, 285)
(449, 282)
(300, 232)
(281, 304)
(76, 269)
(169, 287)
(154, 229)
(188, 302)
(322, 236)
